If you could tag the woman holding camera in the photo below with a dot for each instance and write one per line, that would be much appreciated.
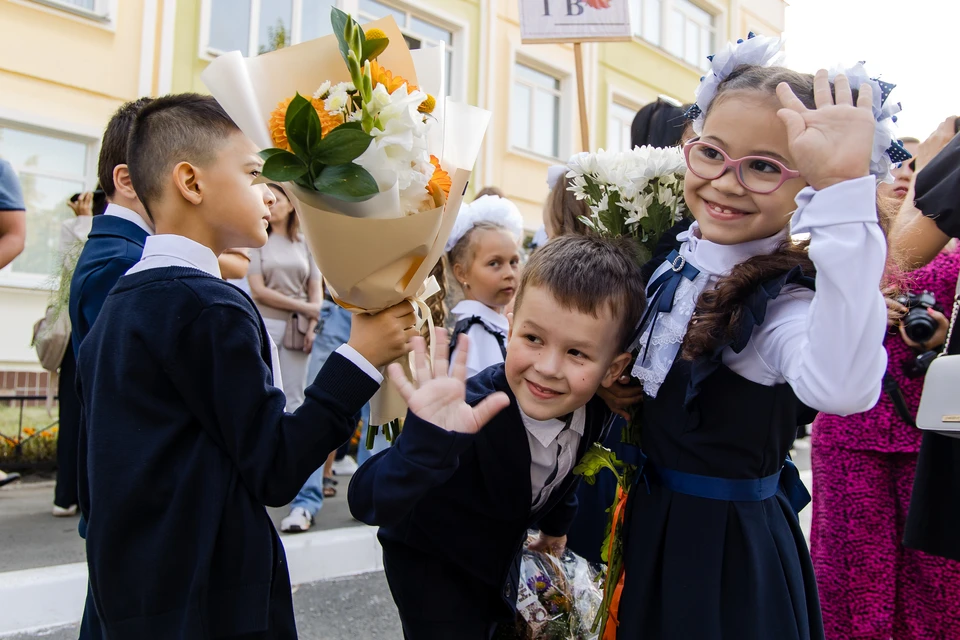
(863, 470)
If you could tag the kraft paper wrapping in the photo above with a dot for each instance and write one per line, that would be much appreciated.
(371, 256)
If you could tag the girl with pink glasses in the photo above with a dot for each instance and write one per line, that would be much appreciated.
(747, 331)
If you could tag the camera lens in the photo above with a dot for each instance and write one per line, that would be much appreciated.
(918, 325)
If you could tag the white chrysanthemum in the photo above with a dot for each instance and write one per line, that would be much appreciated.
(322, 91)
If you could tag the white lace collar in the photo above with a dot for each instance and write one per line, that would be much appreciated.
(659, 351)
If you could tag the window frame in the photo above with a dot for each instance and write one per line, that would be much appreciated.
(459, 32)
(625, 101)
(458, 36)
(103, 14)
(564, 113)
(90, 137)
(667, 7)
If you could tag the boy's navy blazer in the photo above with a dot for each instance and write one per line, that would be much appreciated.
(113, 246)
(454, 506)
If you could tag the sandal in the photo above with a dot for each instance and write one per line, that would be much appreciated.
(329, 487)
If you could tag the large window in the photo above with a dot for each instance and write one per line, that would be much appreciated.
(619, 119)
(418, 30)
(535, 111)
(97, 9)
(257, 26)
(51, 169)
(681, 27)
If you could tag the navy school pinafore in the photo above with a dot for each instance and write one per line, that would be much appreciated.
(733, 566)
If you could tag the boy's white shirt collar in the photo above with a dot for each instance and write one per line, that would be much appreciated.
(168, 250)
(129, 215)
(466, 308)
(546, 431)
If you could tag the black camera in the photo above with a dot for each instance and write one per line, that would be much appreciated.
(99, 204)
(917, 323)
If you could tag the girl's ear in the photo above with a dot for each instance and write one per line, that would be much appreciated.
(616, 369)
(509, 327)
(459, 273)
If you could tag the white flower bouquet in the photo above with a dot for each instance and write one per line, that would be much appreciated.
(374, 159)
(636, 193)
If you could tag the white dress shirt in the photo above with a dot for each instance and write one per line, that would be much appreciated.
(484, 349)
(827, 345)
(169, 250)
(553, 452)
(129, 215)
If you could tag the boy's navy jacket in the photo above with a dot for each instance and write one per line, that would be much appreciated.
(113, 246)
(183, 441)
(454, 509)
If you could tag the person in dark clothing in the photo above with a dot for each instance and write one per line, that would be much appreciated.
(184, 438)
(934, 514)
(658, 124)
(454, 500)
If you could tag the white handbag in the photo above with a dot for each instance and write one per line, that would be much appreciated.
(940, 403)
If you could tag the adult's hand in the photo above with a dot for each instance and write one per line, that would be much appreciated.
(933, 145)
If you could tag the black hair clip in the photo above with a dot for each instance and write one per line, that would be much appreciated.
(692, 113)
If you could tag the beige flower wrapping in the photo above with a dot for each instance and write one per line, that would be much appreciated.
(372, 256)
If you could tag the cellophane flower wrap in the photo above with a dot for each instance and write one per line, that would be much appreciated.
(557, 599)
(373, 157)
(636, 194)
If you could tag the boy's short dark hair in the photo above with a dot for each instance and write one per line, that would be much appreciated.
(585, 273)
(113, 147)
(185, 127)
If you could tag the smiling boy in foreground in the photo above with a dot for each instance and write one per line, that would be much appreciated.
(454, 498)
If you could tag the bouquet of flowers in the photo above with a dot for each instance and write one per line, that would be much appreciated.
(373, 158)
(636, 194)
(557, 599)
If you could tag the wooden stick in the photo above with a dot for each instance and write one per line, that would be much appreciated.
(582, 98)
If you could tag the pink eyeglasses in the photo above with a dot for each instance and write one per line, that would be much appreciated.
(758, 174)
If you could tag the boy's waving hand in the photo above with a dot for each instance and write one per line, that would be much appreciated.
(440, 399)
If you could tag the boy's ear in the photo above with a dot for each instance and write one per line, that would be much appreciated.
(616, 369)
(187, 182)
(122, 181)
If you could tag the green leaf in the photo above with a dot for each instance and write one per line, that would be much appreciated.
(596, 459)
(283, 167)
(374, 47)
(342, 146)
(266, 153)
(294, 124)
(350, 125)
(304, 131)
(349, 182)
(339, 20)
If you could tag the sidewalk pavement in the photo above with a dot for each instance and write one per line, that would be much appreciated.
(30, 537)
(43, 571)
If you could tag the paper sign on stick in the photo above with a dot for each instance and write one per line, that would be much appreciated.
(544, 21)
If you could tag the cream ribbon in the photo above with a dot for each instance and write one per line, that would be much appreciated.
(387, 404)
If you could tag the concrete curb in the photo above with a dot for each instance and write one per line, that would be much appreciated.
(47, 597)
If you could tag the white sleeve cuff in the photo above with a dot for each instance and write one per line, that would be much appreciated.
(848, 201)
(354, 356)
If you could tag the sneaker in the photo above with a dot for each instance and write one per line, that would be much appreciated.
(60, 512)
(7, 478)
(345, 467)
(298, 521)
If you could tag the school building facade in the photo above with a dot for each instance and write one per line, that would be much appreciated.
(66, 65)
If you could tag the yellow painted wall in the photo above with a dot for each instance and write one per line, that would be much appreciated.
(69, 74)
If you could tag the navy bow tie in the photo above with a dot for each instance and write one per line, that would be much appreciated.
(662, 290)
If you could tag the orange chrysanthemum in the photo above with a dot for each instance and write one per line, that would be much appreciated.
(384, 76)
(278, 131)
(440, 180)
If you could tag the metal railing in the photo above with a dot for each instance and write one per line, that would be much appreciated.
(18, 463)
